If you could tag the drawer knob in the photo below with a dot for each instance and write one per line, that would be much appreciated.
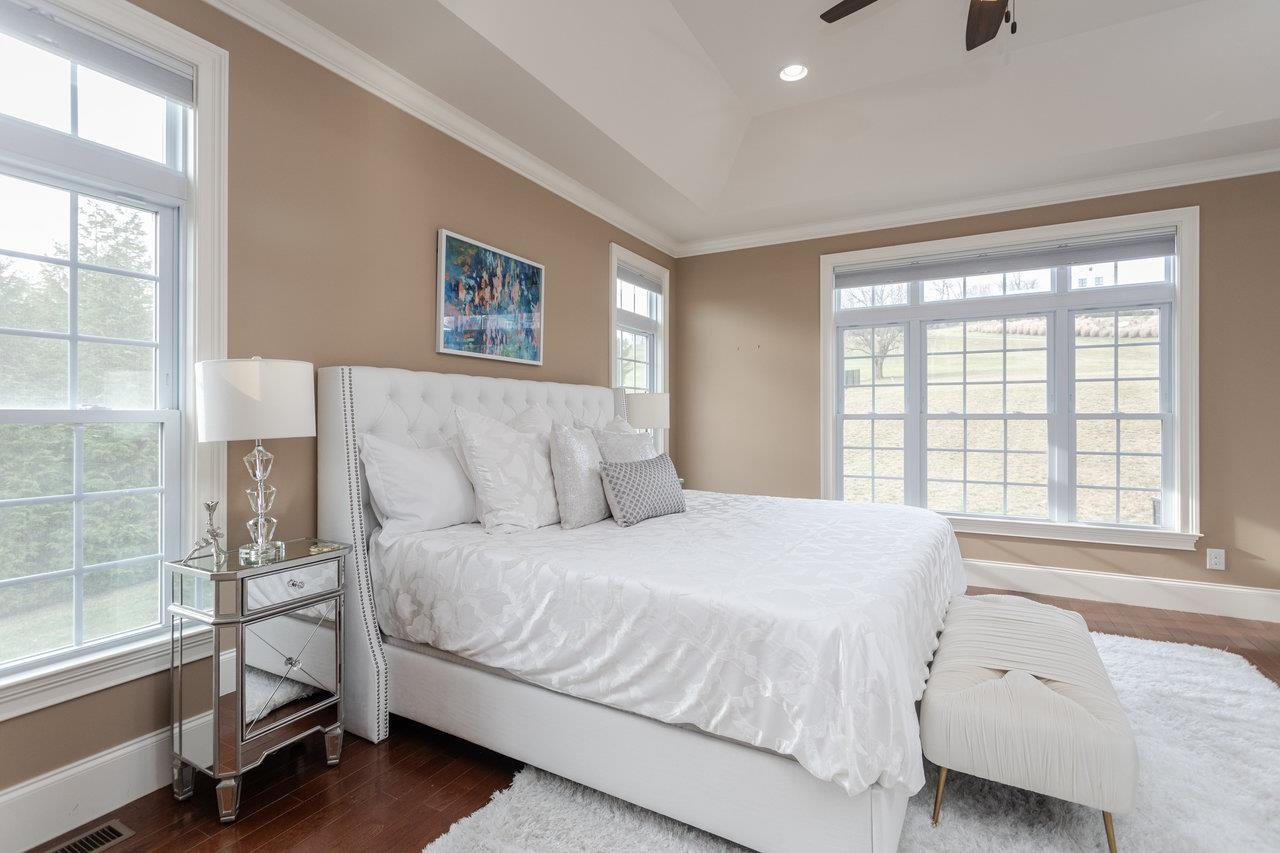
(294, 583)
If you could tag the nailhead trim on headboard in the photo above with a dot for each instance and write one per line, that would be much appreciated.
(360, 555)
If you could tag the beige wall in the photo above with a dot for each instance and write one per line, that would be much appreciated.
(335, 200)
(61, 734)
(746, 374)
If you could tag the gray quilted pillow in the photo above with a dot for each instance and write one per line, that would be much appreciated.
(644, 489)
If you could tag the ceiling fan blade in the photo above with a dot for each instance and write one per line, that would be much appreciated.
(985, 18)
(843, 8)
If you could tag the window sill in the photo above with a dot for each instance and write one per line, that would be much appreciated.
(30, 690)
(1098, 535)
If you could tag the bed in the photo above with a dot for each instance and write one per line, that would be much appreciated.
(749, 667)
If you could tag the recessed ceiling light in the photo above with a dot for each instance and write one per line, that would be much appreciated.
(792, 73)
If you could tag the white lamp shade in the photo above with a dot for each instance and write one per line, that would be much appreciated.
(254, 398)
(649, 411)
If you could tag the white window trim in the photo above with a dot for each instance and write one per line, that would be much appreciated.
(204, 467)
(621, 255)
(1186, 462)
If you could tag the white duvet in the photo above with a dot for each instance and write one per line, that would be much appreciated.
(800, 626)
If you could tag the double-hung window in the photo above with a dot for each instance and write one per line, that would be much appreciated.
(93, 183)
(1033, 383)
(639, 311)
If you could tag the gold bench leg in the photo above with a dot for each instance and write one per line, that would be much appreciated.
(1106, 821)
(937, 800)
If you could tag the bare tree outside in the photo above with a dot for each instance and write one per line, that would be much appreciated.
(878, 343)
(943, 289)
(884, 341)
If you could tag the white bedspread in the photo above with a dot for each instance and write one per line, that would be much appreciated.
(801, 626)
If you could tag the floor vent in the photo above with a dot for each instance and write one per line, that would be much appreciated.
(109, 834)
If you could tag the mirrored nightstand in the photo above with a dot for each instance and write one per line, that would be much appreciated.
(276, 672)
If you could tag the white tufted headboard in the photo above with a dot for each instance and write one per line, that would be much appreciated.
(409, 408)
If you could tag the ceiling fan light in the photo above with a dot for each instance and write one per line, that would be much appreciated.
(792, 73)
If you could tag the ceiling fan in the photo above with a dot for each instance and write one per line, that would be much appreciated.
(985, 18)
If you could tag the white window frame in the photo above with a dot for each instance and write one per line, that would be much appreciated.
(202, 279)
(1182, 382)
(626, 320)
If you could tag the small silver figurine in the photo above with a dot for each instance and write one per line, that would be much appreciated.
(212, 538)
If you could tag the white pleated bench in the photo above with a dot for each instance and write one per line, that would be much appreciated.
(1017, 694)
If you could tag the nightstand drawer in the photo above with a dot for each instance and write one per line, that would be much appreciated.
(269, 590)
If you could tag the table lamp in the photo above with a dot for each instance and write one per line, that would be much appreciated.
(238, 399)
(649, 411)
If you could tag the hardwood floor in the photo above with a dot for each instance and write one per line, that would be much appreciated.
(402, 793)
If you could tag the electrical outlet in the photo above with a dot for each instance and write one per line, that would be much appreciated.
(1215, 559)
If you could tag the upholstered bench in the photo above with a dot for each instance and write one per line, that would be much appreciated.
(1017, 694)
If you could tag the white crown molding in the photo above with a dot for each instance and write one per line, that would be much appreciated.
(1151, 179)
(45, 807)
(302, 35)
(1217, 599)
(294, 30)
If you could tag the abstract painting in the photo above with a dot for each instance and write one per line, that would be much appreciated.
(490, 302)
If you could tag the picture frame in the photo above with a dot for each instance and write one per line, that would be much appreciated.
(489, 302)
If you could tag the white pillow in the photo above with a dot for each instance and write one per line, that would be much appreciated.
(511, 473)
(536, 421)
(412, 489)
(618, 424)
(449, 434)
(575, 463)
(624, 446)
(532, 419)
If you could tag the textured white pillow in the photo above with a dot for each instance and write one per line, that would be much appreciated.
(536, 421)
(624, 446)
(450, 435)
(575, 462)
(511, 473)
(532, 419)
(618, 424)
(412, 489)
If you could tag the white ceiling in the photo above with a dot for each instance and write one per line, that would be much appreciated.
(673, 110)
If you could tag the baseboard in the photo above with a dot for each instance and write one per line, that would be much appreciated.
(1241, 602)
(42, 808)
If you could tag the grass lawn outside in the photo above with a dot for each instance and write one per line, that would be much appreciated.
(1000, 466)
(48, 627)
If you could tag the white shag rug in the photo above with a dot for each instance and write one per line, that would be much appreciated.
(1208, 730)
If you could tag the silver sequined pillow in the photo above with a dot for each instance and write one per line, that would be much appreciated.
(575, 462)
(640, 490)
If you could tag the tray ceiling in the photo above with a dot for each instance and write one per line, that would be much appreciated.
(673, 110)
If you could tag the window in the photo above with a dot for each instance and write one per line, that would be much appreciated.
(639, 359)
(637, 327)
(1035, 383)
(66, 96)
(90, 304)
(124, 97)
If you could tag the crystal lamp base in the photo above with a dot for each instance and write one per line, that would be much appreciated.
(259, 554)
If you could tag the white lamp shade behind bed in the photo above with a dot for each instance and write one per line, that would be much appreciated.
(649, 411)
